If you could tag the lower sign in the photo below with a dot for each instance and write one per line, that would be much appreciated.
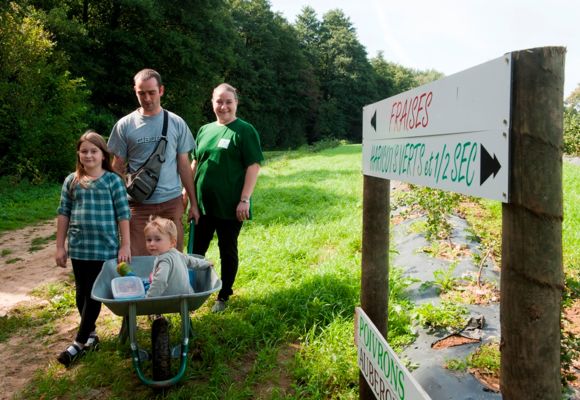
(382, 369)
(465, 163)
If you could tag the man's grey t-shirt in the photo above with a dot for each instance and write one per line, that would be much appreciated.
(134, 138)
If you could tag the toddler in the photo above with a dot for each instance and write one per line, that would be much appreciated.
(170, 269)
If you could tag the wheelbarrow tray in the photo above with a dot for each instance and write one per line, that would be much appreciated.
(206, 283)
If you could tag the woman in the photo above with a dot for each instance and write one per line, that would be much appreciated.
(225, 166)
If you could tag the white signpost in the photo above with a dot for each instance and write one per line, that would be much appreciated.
(382, 369)
(451, 134)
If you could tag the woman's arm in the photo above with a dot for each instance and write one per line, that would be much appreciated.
(243, 208)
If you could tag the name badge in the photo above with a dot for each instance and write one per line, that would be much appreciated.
(223, 143)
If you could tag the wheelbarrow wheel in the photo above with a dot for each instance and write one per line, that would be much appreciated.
(161, 351)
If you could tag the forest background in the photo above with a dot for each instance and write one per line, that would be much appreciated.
(67, 65)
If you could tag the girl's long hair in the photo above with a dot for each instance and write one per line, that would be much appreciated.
(99, 141)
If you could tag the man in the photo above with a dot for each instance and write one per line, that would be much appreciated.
(134, 138)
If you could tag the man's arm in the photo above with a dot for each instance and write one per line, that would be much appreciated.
(119, 165)
(186, 175)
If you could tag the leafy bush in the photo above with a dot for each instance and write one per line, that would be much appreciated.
(571, 131)
(42, 107)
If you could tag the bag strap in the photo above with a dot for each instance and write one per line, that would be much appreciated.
(159, 150)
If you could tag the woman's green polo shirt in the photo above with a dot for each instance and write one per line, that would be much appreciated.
(223, 154)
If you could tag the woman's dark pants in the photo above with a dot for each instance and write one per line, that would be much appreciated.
(227, 233)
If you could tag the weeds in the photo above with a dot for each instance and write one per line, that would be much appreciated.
(484, 219)
(444, 279)
(569, 352)
(40, 242)
(486, 358)
(400, 331)
(448, 316)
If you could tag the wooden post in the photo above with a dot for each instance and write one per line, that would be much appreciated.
(531, 272)
(375, 259)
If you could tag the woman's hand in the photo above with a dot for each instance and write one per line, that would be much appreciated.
(243, 210)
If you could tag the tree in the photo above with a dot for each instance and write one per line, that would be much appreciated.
(188, 42)
(307, 29)
(573, 100)
(427, 76)
(346, 78)
(393, 78)
(571, 131)
(42, 108)
(272, 74)
(572, 123)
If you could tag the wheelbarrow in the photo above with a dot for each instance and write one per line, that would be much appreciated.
(206, 282)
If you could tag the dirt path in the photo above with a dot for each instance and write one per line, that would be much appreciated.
(26, 262)
(21, 269)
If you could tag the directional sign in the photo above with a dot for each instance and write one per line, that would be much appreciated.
(384, 372)
(451, 134)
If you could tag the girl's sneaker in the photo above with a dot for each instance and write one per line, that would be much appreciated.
(70, 355)
(92, 343)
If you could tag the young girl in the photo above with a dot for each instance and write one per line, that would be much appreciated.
(93, 209)
(170, 274)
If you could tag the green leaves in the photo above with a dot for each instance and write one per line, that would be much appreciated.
(68, 65)
(41, 106)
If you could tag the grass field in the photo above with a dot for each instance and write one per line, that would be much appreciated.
(288, 331)
(571, 223)
(22, 203)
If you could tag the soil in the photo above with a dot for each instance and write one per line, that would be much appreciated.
(21, 269)
(453, 340)
(24, 266)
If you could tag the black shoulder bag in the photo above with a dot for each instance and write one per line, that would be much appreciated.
(142, 183)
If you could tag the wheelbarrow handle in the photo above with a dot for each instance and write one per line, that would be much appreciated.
(191, 237)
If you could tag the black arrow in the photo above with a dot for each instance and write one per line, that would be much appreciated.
(374, 120)
(488, 165)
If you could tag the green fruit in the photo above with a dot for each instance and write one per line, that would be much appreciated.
(123, 268)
